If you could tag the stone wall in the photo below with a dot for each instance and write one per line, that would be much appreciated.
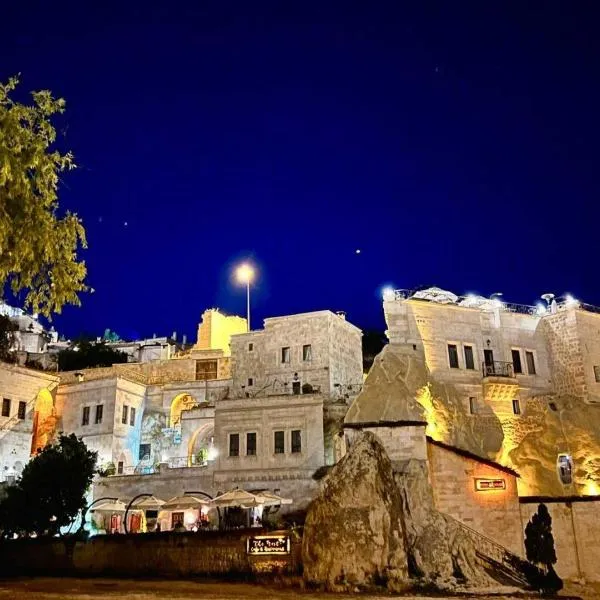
(494, 513)
(576, 531)
(154, 555)
(336, 355)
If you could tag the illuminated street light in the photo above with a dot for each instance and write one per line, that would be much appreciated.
(388, 293)
(245, 274)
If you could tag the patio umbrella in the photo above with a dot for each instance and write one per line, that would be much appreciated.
(237, 498)
(271, 499)
(148, 503)
(184, 502)
(109, 506)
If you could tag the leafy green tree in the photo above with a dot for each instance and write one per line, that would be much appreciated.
(86, 355)
(38, 247)
(50, 494)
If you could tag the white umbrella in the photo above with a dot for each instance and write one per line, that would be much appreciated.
(271, 499)
(109, 506)
(148, 503)
(237, 498)
(184, 502)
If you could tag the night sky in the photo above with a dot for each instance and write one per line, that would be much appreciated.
(453, 143)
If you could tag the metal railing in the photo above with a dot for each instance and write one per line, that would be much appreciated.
(180, 462)
(498, 369)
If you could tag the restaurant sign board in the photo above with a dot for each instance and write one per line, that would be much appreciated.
(268, 544)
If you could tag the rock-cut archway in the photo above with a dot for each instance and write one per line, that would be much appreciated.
(200, 441)
(44, 420)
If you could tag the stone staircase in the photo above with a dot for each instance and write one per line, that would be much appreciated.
(506, 567)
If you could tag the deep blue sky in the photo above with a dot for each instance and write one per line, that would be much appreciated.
(454, 143)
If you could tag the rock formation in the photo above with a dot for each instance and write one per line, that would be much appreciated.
(370, 527)
(353, 532)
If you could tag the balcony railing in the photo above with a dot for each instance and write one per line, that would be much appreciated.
(498, 369)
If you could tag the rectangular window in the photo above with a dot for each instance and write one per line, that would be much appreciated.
(145, 450)
(5, 407)
(516, 407)
(120, 467)
(306, 352)
(99, 413)
(469, 359)
(472, 405)
(250, 382)
(530, 362)
(251, 444)
(516, 360)
(285, 354)
(296, 388)
(85, 418)
(234, 444)
(206, 370)
(132, 416)
(453, 356)
(250, 347)
(296, 441)
(22, 409)
(596, 376)
(125, 413)
(279, 439)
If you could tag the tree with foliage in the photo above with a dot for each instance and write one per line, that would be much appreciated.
(50, 494)
(85, 354)
(38, 247)
(539, 547)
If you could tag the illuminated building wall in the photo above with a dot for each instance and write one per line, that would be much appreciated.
(534, 404)
(216, 329)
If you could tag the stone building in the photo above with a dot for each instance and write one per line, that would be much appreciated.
(256, 409)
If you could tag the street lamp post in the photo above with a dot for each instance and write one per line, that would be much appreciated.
(245, 274)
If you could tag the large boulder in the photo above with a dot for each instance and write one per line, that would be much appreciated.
(353, 534)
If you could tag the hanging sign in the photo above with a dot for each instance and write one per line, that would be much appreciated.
(268, 544)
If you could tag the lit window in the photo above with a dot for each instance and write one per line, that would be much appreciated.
(296, 441)
(596, 377)
(5, 407)
(565, 469)
(516, 360)
(125, 413)
(469, 359)
(279, 439)
(234, 444)
(285, 354)
(251, 444)
(21, 410)
(132, 416)
(516, 406)
(530, 363)
(473, 405)
(85, 418)
(145, 450)
(99, 411)
(307, 352)
(453, 356)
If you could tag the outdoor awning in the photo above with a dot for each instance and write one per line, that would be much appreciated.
(184, 502)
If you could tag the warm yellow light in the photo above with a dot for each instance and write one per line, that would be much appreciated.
(244, 273)
(591, 488)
